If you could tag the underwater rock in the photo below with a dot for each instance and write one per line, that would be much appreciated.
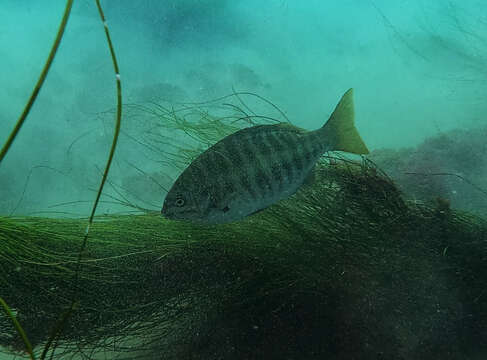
(451, 166)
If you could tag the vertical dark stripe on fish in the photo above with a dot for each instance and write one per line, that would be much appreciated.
(317, 149)
(307, 149)
(205, 162)
(246, 185)
(194, 171)
(233, 148)
(229, 187)
(289, 139)
(221, 162)
(317, 141)
(297, 161)
(308, 144)
(262, 153)
(215, 165)
(275, 142)
(314, 143)
(273, 167)
(263, 182)
(248, 153)
(277, 175)
(315, 137)
(217, 194)
(260, 144)
(297, 156)
(308, 156)
(199, 171)
(246, 158)
(288, 170)
(290, 142)
(236, 156)
(273, 145)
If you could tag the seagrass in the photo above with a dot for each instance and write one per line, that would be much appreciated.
(345, 266)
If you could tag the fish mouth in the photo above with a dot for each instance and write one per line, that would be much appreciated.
(166, 213)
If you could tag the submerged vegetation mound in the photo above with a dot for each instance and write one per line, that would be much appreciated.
(343, 269)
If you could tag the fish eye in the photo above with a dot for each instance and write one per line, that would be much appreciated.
(179, 202)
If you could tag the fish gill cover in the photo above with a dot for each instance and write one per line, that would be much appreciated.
(349, 267)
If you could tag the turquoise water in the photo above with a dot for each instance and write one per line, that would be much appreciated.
(417, 67)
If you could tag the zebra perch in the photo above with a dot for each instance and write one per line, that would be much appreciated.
(256, 167)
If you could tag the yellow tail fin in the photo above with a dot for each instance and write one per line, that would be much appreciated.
(340, 127)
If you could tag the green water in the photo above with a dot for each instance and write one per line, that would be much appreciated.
(417, 68)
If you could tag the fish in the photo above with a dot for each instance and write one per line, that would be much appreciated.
(255, 167)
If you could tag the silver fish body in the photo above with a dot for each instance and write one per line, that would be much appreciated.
(256, 167)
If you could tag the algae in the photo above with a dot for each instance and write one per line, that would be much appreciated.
(343, 269)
